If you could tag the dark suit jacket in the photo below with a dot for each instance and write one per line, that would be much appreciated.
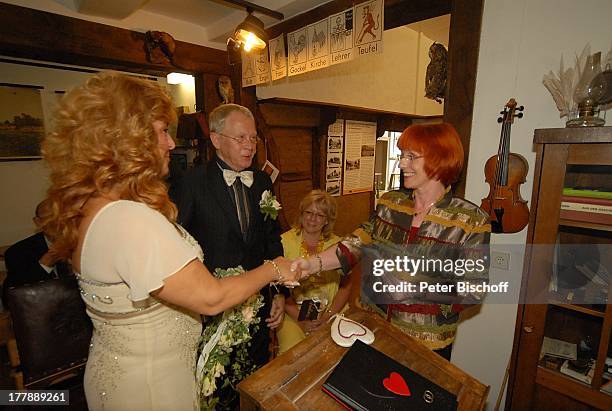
(208, 212)
(21, 260)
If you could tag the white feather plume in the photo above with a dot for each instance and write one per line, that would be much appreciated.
(562, 85)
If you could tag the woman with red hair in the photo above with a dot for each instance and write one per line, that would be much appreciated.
(424, 220)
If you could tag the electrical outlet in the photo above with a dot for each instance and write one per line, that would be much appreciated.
(501, 261)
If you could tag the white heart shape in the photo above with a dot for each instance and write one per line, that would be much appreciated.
(344, 332)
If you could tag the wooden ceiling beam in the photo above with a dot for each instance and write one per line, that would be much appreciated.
(397, 13)
(400, 13)
(34, 34)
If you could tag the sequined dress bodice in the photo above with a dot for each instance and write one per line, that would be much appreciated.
(142, 353)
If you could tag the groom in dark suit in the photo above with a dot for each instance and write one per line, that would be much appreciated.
(32, 259)
(219, 205)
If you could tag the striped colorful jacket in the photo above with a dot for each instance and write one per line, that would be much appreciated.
(451, 222)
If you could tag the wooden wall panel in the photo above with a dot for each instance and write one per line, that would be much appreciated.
(296, 132)
(464, 41)
(549, 400)
(295, 150)
(213, 99)
(290, 115)
(353, 210)
(291, 193)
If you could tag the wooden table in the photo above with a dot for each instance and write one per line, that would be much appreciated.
(293, 380)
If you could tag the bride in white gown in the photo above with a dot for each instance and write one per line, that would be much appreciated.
(140, 275)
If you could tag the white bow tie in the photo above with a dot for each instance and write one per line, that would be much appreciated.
(246, 177)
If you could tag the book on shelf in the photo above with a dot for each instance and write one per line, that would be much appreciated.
(586, 200)
(589, 217)
(590, 193)
(550, 362)
(587, 207)
(558, 348)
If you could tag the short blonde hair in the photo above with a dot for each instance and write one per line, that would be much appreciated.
(104, 140)
(324, 202)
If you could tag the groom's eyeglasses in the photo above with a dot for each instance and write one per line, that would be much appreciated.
(242, 139)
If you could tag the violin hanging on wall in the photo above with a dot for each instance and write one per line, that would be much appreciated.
(505, 172)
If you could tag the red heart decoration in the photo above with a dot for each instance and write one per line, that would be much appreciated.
(397, 385)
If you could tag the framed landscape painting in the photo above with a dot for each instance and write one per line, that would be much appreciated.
(21, 122)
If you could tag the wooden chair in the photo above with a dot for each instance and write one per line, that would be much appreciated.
(7, 336)
(52, 332)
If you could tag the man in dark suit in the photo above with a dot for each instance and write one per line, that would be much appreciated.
(32, 259)
(219, 205)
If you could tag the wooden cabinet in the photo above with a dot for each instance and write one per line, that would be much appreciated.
(562, 300)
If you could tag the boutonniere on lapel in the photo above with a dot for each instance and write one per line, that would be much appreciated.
(268, 205)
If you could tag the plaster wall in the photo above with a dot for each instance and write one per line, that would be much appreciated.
(23, 184)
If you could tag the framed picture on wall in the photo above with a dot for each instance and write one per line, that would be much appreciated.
(21, 122)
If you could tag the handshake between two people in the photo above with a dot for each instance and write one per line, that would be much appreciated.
(290, 272)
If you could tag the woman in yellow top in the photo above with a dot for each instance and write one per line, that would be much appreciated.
(311, 235)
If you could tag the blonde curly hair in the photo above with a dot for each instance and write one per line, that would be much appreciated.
(104, 140)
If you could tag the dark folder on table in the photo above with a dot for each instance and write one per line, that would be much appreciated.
(366, 379)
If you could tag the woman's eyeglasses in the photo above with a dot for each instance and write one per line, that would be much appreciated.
(310, 214)
(409, 156)
(242, 139)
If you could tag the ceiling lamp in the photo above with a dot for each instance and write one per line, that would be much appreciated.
(250, 34)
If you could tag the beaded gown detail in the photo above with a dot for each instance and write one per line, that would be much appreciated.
(143, 350)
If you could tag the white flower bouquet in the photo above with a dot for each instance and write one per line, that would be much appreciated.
(224, 333)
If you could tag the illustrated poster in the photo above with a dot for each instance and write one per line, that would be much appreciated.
(341, 37)
(297, 52)
(249, 73)
(369, 26)
(318, 45)
(262, 65)
(255, 68)
(278, 60)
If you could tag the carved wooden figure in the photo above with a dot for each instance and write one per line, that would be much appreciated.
(226, 91)
(435, 77)
(159, 46)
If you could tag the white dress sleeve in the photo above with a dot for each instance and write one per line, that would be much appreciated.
(130, 242)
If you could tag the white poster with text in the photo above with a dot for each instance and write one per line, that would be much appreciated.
(359, 150)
